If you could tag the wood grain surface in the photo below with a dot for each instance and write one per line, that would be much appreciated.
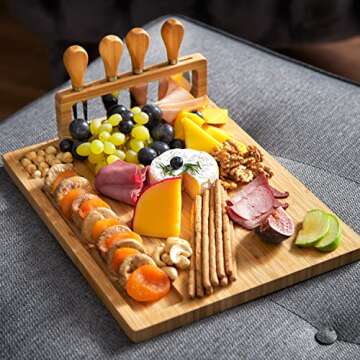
(260, 268)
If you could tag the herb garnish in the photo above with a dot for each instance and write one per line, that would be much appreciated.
(187, 167)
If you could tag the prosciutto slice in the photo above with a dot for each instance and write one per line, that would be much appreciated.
(121, 181)
(254, 203)
(175, 98)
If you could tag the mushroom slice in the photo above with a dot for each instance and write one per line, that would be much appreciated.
(179, 254)
(130, 264)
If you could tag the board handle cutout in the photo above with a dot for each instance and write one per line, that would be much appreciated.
(76, 61)
(137, 41)
(110, 49)
(172, 33)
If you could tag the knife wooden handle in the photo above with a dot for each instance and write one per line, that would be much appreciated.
(110, 49)
(137, 41)
(76, 60)
(172, 33)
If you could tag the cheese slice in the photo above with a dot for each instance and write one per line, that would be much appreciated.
(194, 182)
(197, 138)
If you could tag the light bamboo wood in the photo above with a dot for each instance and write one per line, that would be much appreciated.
(137, 41)
(75, 61)
(260, 268)
(64, 99)
(110, 49)
(172, 33)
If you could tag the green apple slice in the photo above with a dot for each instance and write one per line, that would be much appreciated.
(332, 238)
(315, 227)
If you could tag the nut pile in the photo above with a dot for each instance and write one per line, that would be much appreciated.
(173, 255)
(237, 165)
(37, 163)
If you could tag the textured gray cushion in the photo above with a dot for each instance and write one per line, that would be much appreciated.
(308, 120)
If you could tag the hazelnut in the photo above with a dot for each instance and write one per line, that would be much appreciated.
(25, 162)
(43, 165)
(31, 155)
(67, 157)
(41, 153)
(31, 168)
(59, 156)
(54, 162)
(49, 157)
(51, 150)
(39, 159)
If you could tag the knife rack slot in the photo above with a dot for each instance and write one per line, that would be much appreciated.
(65, 99)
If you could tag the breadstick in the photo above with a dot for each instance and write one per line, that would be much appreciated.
(218, 233)
(191, 282)
(227, 236)
(232, 231)
(199, 285)
(212, 246)
(205, 240)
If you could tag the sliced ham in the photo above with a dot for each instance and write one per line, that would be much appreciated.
(121, 181)
(279, 194)
(254, 203)
(174, 98)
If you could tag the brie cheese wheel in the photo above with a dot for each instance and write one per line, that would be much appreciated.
(199, 170)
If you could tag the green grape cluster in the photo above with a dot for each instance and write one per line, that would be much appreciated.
(108, 143)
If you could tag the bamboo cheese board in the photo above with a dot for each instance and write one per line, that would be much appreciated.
(261, 268)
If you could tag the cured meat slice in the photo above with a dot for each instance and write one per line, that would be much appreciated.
(174, 98)
(254, 203)
(259, 201)
(248, 224)
(279, 194)
(121, 181)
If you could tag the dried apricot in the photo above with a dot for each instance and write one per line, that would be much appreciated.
(61, 177)
(66, 202)
(102, 225)
(111, 240)
(87, 205)
(148, 283)
(120, 255)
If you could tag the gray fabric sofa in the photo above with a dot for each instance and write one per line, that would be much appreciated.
(307, 119)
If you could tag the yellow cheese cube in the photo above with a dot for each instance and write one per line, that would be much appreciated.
(197, 138)
(219, 134)
(215, 116)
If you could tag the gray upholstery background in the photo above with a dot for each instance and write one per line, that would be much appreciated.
(308, 120)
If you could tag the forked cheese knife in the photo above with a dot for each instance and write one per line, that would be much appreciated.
(137, 42)
(76, 61)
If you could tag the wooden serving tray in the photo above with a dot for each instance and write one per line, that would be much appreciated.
(261, 268)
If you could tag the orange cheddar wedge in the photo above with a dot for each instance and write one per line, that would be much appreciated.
(158, 210)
